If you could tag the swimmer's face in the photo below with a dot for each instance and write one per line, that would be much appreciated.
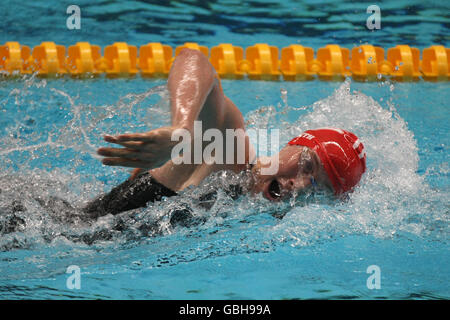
(299, 168)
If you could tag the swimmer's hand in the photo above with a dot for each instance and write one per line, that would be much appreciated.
(147, 150)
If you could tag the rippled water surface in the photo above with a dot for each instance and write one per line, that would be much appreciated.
(49, 129)
(243, 23)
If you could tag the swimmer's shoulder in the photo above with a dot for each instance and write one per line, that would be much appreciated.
(233, 116)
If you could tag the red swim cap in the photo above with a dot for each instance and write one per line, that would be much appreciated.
(341, 153)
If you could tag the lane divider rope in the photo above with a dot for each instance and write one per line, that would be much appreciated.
(258, 62)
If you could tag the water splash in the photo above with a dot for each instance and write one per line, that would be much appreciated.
(392, 199)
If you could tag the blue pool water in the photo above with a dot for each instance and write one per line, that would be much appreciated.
(396, 219)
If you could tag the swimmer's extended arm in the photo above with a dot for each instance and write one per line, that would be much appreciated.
(192, 81)
(192, 85)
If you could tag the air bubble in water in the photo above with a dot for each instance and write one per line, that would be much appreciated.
(284, 96)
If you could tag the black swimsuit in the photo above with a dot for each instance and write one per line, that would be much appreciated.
(136, 193)
(130, 194)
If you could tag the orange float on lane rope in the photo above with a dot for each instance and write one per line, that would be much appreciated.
(297, 62)
(405, 62)
(49, 59)
(155, 59)
(263, 62)
(120, 59)
(435, 63)
(82, 59)
(15, 58)
(368, 62)
(227, 60)
(333, 62)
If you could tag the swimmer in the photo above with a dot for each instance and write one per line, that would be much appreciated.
(323, 159)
